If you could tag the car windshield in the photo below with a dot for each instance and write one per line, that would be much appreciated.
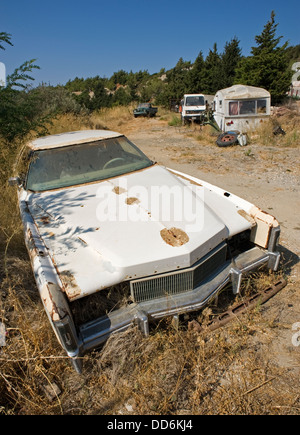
(84, 163)
(195, 101)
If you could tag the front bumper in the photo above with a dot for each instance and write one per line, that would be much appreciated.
(142, 113)
(96, 332)
(193, 115)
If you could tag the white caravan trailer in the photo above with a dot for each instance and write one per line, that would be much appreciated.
(241, 108)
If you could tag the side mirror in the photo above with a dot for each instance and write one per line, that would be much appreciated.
(14, 181)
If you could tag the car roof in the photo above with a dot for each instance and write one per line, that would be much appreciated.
(71, 138)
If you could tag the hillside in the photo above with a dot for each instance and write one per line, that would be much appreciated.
(215, 72)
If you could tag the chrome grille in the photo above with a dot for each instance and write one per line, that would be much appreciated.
(178, 281)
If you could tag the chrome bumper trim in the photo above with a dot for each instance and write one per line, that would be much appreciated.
(96, 332)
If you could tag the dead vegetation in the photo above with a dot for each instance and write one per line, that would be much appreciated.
(174, 371)
(247, 367)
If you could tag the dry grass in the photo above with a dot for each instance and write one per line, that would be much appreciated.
(70, 122)
(206, 135)
(107, 119)
(174, 372)
(114, 118)
(289, 121)
(171, 372)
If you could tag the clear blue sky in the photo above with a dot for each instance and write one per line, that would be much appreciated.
(72, 38)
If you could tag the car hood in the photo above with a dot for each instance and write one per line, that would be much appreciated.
(140, 224)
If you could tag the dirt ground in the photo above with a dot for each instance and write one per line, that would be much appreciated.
(269, 177)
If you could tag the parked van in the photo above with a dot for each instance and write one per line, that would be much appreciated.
(192, 107)
(241, 108)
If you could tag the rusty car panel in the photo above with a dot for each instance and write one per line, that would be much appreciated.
(164, 241)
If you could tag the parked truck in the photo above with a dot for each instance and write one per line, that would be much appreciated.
(192, 108)
(145, 109)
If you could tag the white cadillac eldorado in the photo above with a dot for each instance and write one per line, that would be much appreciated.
(115, 239)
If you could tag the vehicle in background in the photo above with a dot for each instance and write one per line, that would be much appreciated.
(145, 109)
(241, 108)
(192, 108)
(115, 239)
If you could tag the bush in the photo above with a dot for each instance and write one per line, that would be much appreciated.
(54, 100)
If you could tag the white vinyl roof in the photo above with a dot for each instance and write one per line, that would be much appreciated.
(71, 138)
(242, 92)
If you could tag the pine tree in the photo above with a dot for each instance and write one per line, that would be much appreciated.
(177, 80)
(196, 75)
(212, 75)
(268, 66)
(230, 59)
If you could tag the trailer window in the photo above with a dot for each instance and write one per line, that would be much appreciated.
(247, 107)
(234, 108)
(261, 106)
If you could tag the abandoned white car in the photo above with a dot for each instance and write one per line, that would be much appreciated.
(115, 239)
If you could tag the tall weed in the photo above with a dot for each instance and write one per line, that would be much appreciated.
(283, 131)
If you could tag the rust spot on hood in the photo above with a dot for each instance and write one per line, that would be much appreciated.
(246, 216)
(174, 236)
(132, 200)
(186, 178)
(45, 220)
(118, 190)
(263, 216)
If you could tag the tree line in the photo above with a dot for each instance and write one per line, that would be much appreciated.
(207, 76)
(24, 108)
(268, 66)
